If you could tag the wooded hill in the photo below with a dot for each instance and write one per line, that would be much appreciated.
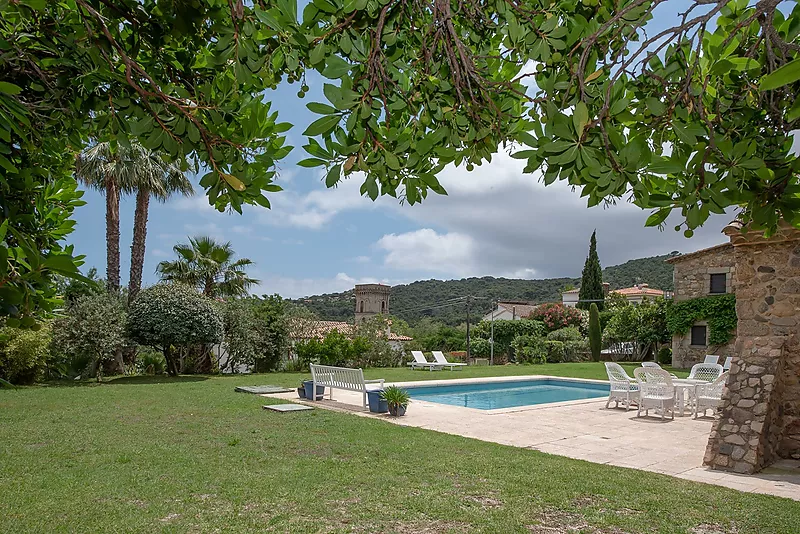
(437, 298)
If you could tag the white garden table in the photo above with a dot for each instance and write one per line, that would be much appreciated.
(684, 387)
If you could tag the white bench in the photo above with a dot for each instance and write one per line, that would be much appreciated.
(341, 378)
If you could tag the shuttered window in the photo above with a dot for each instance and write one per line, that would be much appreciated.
(699, 336)
(719, 283)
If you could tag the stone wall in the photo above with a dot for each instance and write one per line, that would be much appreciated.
(692, 279)
(760, 416)
(371, 300)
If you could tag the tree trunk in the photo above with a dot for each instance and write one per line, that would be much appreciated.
(112, 235)
(138, 245)
(172, 368)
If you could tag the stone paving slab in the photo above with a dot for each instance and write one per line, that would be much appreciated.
(583, 430)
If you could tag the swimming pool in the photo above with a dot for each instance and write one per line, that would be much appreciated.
(496, 395)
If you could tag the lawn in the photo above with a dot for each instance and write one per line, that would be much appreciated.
(190, 455)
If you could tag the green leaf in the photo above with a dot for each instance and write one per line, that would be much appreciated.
(62, 263)
(318, 54)
(580, 117)
(311, 162)
(683, 134)
(322, 125)
(335, 67)
(785, 75)
(655, 106)
(288, 9)
(333, 175)
(9, 88)
(666, 166)
(322, 109)
(658, 217)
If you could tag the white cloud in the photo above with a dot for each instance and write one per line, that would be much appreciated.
(198, 202)
(362, 259)
(426, 250)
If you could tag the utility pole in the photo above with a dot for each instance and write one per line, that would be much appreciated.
(468, 351)
(491, 336)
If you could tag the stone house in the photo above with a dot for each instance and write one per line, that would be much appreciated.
(702, 273)
(510, 310)
(635, 294)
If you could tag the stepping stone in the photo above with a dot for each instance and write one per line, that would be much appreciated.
(287, 407)
(261, 390)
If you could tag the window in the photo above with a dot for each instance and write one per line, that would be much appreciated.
(361, 307)
(699, 336)
(383, 306)
(718, 283)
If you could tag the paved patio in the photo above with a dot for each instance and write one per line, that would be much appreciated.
(583, 430)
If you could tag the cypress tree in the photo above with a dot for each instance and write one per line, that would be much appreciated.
(594, 332)
(591, 279)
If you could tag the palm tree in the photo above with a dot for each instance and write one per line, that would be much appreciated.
(160, 180)
(125, 170)
(99, 168)
(209, 266)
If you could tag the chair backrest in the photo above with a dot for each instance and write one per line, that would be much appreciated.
(713, 390)
(711, 358)
(653, 365)
(419, 357)
(728, 362)
(705, 371)
(439, 356)
(654, 381)
(616, 373)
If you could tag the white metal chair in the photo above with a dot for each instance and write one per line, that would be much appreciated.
(705, 371)
(421, 363)
(656, 390)
(709, 395)
(441, 360)
(711, 358)
(727, 365)
(623, 388)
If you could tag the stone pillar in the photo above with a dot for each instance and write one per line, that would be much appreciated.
(760, 418)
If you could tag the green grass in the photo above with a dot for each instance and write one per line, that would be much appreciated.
(190, 455)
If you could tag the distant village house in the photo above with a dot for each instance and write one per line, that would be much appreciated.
(510, 310)
(634, 295)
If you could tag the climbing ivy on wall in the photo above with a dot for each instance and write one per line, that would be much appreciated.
(719, 311)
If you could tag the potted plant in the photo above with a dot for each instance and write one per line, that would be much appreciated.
(376, 402)
(397, 400)
(301, 391)
(309, 387)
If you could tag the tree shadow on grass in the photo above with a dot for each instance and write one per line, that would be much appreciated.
(122, 381)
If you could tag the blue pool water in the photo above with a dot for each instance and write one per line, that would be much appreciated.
(495, 395)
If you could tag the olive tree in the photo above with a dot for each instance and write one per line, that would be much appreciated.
(170, 316)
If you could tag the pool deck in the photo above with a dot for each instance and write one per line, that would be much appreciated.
(582, 429)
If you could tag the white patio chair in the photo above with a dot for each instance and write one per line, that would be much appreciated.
(421, 363)
(709, 395)
(711, 358)
(727, 365)
(705, 371)
(623, 388)
(654, 365)
(655, 391)
(441, 360)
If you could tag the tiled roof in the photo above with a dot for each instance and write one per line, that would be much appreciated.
(320, 329)
(715, 248)
(576, 290)
(639, 291)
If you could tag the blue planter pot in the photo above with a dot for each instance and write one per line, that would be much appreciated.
(301, 392)
(309, 386)
(376, 403)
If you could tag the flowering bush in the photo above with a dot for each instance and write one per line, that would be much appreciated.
(556, 316)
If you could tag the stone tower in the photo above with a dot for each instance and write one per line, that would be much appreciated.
(371, 300)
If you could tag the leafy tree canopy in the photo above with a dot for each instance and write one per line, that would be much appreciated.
(695, 118)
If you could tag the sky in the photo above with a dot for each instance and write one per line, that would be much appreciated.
(495, 221)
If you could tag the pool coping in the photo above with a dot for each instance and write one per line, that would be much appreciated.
(497, 379)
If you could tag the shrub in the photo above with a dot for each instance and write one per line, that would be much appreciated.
(169, 316)
(556, 315)
(93, 330)
(152, 363)
(506, 330)
(569, 333)
(576, 350)
(529, 349)
(554, 351)
(479, 347)
(595, 332)
(24, 353)
(665, 356)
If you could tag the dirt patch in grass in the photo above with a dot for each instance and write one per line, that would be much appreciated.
(169, 517)
(553, 521)
(426, 527)
(484, 501)
(713, 528)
